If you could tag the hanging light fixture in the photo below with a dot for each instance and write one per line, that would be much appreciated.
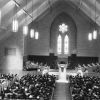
(90, 33)
(95, 31)
(0, 16)
(25, 28)
(36, 32)
(90, 36)
(15, 22)
(95, 34)
(15, 25)
(36, 35)
(32, 33)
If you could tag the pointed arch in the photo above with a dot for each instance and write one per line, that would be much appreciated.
(59, 44)
(63, 17)
(66, 44)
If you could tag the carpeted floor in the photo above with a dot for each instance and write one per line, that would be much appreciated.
(62, 92)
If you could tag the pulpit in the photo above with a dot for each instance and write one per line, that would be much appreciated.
(62, 73)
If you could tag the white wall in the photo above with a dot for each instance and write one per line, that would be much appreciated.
(13, 61)
(42, 46)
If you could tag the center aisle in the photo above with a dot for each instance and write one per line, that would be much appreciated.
(62, 92)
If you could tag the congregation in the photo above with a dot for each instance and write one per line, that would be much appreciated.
(41, 87)
(30, 87)
(31, 65)
(85, 88)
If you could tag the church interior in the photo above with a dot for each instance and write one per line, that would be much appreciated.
(50, 49)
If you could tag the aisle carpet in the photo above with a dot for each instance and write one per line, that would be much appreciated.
(62, 92)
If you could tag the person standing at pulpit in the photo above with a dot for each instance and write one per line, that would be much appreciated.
(62, 63)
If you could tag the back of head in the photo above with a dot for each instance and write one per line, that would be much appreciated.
(62, 62)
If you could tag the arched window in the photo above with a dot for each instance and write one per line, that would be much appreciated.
(63, 28)
(59, 44)
(66, 44)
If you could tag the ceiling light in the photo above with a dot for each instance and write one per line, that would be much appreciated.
(32, 33)
(0, 17)
(90, 36)
(36, 35)
(95, 34)
(25, 30)
(15, 25)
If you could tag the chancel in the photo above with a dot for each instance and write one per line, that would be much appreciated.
(62, 72)
(50, 49)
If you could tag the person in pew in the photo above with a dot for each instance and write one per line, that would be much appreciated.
(86, 86)
(84, 66)
(32, 63)
(2, 95)
(98, 64)
(89, 65)
(93, 64)
(79, 71)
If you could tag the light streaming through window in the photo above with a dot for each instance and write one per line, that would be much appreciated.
(59, 44)
(66, 44)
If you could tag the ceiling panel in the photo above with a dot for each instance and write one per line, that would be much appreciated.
(35, 8)
(3, 2)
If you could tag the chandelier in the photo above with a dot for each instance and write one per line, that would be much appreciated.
(34, 33)
(15, 21)
(25, 28)
(93, 35)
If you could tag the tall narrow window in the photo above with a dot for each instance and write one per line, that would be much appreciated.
(66, 44)
(59, 44)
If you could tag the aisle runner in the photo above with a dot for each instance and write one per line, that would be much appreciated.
(62, 92)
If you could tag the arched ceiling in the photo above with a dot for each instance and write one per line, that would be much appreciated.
(28, 10)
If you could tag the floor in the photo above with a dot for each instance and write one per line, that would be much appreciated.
(62, 89)
(62, 92)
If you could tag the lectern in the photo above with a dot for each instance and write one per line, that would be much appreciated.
(62, 73)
